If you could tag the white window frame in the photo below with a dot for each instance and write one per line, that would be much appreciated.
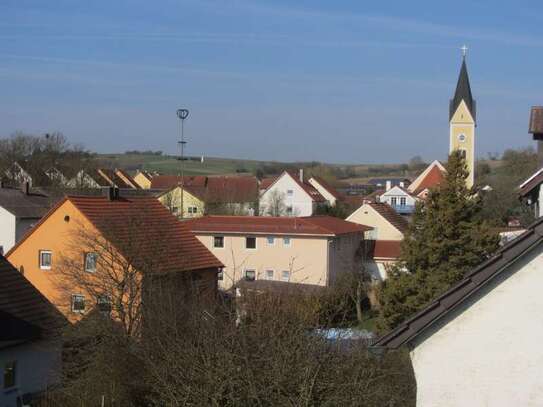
(193, 210)
(290, 192)
(245, 274)
(272, 271)
(283, 275)
(42, 266)
(95, 262)
(393, 201)
(218, 247)
(403, 201)
(272, 240)
(73, 304)
(220, 275)
(285, 239)
(251, 248)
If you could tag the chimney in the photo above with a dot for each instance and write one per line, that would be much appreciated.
(388, 185)
(536, 128)
(25, 187)
(402, 184)
(112, 193)
(301, 175)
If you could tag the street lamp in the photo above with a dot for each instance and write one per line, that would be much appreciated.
(182, 114)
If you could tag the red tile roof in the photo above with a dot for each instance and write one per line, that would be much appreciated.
(169, 181)
(311, 225)
(112, 178)
(141, 226)
(307, 187)
(127, 178)
(387, 212)
(265, 183)
(431, 180)
(144, 226)
(387, 249)
(24, 312)
(531, 183)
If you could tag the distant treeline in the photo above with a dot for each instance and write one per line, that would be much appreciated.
(145, 152)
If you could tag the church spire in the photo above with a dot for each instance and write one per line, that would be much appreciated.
(463, 90)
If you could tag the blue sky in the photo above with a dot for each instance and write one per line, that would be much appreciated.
(336, 81)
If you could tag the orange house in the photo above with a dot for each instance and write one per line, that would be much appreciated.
(77, 249)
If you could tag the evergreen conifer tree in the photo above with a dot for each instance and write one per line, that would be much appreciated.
(445, 240)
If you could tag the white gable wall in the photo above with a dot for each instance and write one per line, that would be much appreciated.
(396, 192)
(300, 201)
(7, 229)
(323, 191)
(489, 353)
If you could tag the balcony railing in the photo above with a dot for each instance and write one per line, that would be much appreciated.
(404, 209)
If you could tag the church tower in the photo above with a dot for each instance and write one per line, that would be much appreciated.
(462, 120)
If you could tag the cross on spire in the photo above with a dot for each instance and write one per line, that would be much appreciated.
(464, 50)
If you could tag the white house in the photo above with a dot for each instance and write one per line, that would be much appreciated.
(30, 355)
(479, 344)
(328, 192)
(20, 209)
(290, 195)
(399, 199)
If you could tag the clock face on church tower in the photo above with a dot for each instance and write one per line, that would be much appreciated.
(461, 138)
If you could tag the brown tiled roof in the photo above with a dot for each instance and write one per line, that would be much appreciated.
(265, 183)
(531, 183)
(112, 178)
(536, 120)
(431, 180)
(25, 313)
(231, 189)
(373, 196)
(387, 212)
(127, 178)
(311, 225)
(387, 249)
(170, 181)
(473, 282)
(307, 187)
(32, 206)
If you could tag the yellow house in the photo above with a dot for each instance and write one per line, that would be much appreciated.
(311, 250)
(192, 205)
(143, 179)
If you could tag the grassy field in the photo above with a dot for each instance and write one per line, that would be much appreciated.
(170, 165)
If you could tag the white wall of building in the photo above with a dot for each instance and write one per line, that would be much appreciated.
(398, 194)
(37, 367)
(7, 229)
(300, 202)
(488, 353)
(323, 191)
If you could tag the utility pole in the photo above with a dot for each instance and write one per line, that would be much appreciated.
(182, 114)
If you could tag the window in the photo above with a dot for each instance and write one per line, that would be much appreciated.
(175, 209)
(290, 192)
(250, 242)
(78, 303)
(193, 210)
(104, 303)
(10, 374)
(289, 210)
(393, 201)
(218, 242)
(90, 262)
(402, 201)
(286, 241)
(220, 275)
(285, 275)
(250, 275)
(46, 257)
(269, 274)
(271, 240)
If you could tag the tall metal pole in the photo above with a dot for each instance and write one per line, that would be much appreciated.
(182, 114)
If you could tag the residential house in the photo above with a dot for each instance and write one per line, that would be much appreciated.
(127, 179)
(88, 179)
(331, 194)
(399, 199)
(431, 177)
(84, 234)
(17, 175)
(56, 177)
(479, 343)
(308, 250)
(388, 230)
(216, 195)
(143, 179)
(291, 195)
(380, 183)
(30, 353)
(530, 191)
(20, 210)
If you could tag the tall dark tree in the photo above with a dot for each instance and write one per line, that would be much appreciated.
(445, 240)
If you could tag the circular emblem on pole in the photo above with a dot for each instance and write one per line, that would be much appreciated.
(182, 113)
